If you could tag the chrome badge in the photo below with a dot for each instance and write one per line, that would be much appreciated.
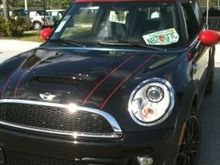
(47, 96)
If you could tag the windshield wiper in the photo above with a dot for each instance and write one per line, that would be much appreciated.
(67, 41)
(129, 43)
(114, 42)
(147, 46)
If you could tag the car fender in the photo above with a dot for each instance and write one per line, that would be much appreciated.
(189, 99)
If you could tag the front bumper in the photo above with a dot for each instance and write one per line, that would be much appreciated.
(28, 148)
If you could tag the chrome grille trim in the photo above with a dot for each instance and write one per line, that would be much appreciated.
(111, 120)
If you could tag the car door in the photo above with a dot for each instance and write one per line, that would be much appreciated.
(199, 52)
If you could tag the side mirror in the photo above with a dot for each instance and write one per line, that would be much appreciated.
(209, 37)
(46, 33)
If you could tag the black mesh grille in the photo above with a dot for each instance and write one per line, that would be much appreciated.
(23, 158)
(54, 118)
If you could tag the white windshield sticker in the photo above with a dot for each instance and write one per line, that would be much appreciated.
(164, 37)
(118, 16)
(62, 23)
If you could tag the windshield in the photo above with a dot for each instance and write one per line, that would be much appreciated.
(124, 23)
(20, 13)
(42, 12)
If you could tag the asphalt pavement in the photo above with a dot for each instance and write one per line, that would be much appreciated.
(210, 110)
(10, 48)
(210, 118)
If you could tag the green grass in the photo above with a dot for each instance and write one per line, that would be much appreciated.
(33, 36)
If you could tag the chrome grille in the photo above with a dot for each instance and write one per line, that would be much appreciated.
(58, 118)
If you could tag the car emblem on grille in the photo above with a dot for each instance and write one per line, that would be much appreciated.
(47, 96)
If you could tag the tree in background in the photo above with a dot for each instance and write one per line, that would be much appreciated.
(54, 4)
(58, 4)
(211, 2)
(62, 4)
(5, 9)
(16, 3)
(49, 4)
(31, 3)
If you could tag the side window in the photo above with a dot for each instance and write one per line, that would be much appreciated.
(193, 26)
(198, 13)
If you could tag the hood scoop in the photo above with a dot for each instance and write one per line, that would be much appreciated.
(55, 80)
(62, 80)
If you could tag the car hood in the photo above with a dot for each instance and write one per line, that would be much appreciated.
(90, 77)
(86, 77)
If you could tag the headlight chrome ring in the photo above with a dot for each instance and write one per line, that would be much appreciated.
(151, 102)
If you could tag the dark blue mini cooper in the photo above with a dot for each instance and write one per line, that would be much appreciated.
(118, 82)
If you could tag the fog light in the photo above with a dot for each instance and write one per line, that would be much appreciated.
(145, 160)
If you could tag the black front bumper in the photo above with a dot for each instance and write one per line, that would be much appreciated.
(28, 148)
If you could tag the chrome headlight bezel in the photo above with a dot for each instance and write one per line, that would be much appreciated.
(167, 91)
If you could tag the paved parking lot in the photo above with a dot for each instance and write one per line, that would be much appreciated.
(10, 48)
(210, 117)
(210, 110)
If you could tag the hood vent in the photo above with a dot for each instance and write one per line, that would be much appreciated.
(57, 80)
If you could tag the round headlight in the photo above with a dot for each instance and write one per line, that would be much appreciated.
(155, 94)
(151, 102)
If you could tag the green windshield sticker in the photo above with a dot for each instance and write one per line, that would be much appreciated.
(118, 16)
(164, 37)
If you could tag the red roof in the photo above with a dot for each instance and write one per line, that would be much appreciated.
(78, 1)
